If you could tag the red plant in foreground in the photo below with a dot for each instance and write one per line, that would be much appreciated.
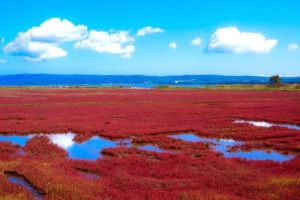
(190, 171)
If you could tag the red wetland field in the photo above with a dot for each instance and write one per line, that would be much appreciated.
(88, 143)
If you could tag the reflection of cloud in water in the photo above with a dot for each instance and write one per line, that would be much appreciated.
(267, 124)
(227, 140)
(255, 123)
(261, 124)
(88, 150)
(64, 141)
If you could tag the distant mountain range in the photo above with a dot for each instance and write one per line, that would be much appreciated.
(131, 80)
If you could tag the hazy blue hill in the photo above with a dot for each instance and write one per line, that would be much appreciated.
(130, 80)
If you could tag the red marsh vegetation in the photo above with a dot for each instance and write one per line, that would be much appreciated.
(190, 171)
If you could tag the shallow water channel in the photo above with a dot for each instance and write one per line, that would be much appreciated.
(19, 180)
(91, 149)
(223, 146)
(267, 124)
(150, 147)
(87, 150)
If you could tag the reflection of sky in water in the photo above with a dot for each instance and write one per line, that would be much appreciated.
(87, 150)
(15, 139)
(90, 149)
(294, 127)
(191, 138)
(222, 146)
(259, 155)
(267, 124)
(19, 181)
(151, 148)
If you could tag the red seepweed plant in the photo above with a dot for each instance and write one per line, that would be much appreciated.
(191, 171)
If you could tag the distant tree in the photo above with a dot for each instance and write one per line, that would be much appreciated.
(275, 79)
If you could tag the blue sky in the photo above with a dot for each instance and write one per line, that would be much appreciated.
(234, 37)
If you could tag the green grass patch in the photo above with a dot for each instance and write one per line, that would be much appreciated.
(264, 87)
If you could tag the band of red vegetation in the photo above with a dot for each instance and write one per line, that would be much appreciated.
(148, 117)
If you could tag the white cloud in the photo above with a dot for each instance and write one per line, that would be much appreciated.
(23, 46)
(173, 45)
(231, 40)
(108, 42)
(56, 30)
(293, 47)
(41, 43)
(2, 61)
(149, 30)
(197, 41)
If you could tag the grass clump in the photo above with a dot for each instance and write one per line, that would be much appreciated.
(264, 87)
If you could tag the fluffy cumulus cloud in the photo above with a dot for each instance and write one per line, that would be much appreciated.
(119, 42)
(42, 42)
(33, 50)
(293, 47)
(149, 30)
(196, 41)
(56, 30)
(231, 40)
(173, 45)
